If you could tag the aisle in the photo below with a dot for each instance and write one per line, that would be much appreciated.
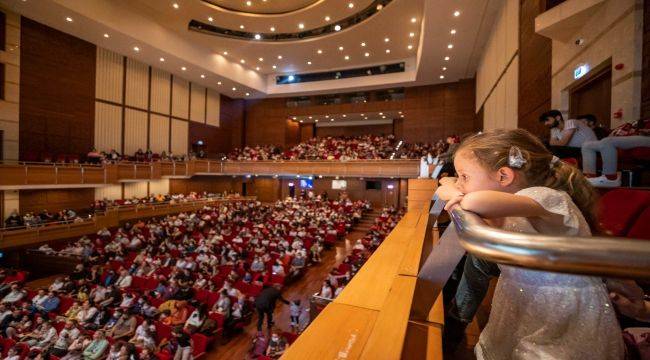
(238, 347)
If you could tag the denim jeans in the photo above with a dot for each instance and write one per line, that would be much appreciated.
(473, 286)
(607, 149)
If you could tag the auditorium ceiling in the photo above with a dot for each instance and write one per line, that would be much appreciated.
(239, 47)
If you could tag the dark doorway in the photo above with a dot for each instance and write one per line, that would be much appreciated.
(243, 189)
(593, 96)
(2, 144)
(292, 190)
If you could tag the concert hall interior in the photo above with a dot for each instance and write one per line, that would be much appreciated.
(324, 179)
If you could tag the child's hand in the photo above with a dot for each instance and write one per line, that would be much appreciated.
(453, 201)
(447, 180)
(448, 192)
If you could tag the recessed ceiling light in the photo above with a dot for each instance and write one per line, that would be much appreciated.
(386, 39)
(242, 61)
(387, 51)
(248, 94)
(249, 3)
(347, 57)
(327, 116)
(225, 53)
(234, 89)
(272, 29)
(444, 68)
(210, 19)
(257, 68)
(399, 112)
(366, 54)
(379, 7)
(162, 59)
(301, 121)
(350, 5)
(279, 57)
(135, 48)
(175, 5)
(381, 113)
(327, 18)
(363, 44)
(319, 51)
(410, 47)
(311, 117)
(202, 76)
(412, 34)
(275, 67)
(308, 62)
(258, 36)
(106, 36)
(68, 19)
(218, 82)
(345, 115)
(301, 26)
(362, 115)
(366, 118)
(450, 46)
(414, 20)
(337, 27)
(316, 120)
(456, 13)
(453, 31)
(442, 76)
(261, 59)
(383, 117)
(446, 58)
(241, 26)
(183, 68)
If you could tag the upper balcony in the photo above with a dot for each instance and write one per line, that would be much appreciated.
(25, 175)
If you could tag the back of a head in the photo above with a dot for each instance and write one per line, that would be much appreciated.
(492, 150)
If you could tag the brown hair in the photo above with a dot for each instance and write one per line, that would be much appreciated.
(492, 150)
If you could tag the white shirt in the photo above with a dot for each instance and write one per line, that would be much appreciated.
(582, 134)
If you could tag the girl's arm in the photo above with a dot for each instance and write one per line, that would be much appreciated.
(495, 204)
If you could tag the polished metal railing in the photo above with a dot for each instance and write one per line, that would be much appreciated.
(597, 255)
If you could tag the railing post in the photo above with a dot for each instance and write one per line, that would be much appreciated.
(56, 174)
(135, 171)
(26, 174)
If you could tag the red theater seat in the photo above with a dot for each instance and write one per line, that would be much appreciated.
(620, 208)
(641, 227)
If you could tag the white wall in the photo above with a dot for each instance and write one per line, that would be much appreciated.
(497, 76)
(614, 31)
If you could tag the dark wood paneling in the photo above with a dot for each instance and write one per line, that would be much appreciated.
(645, 75)
(55, 200)
(3, 31)
(231, 123)
(57, 90)
(534, 68)
(385, 129)
(431, 113)
(292, 134)
(266, 189)
(306, 131)
(215, 184)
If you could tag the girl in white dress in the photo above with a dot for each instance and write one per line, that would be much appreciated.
(512, 181)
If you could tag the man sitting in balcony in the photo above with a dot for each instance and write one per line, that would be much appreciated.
(14, 220)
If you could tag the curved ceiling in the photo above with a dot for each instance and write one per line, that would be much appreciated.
(263, 7)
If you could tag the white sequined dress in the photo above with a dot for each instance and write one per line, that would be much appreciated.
(543, 315)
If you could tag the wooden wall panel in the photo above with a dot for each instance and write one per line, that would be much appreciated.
(159, 187)
(231, 115)
(214, 184)
(197, 111)
(267, 189)
(179, 137)
(209, 135)
(57, 91)
(385, 129)
(109, 75)
(135, 131)
(356, 190)
(160, 91)
(135, 189)
(108, 127)
(112, 192)
(180, 98)
(55, 200)
(10, 86)
(213, 108)
(159, 133)
(535, 67)
(137, 84)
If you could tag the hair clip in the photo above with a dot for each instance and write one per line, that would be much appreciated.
(516, 158)
(554, 161)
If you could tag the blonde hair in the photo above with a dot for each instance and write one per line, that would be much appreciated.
(491, 149)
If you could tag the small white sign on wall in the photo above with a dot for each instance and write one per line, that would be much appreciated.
(580, 71)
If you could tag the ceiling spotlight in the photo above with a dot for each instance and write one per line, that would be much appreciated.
(414, 20)
(275, 67)
(301, 26)
(331, 119)
(387, 51)
(410, 47)
(337, 27)
(379, 7)
(218, 82)
(446, 58)
(162, 59)
(442, 76)
(249, 3)
(444, 68)
(258, 36)
(456, 13)
(319, 51)
(366, 54)
(242, 61)
(316, 120)
(210, 19)
(450, 46)
(350, 5)
(272, 29)
(247, 94)
(234, 89)
(291, 78)
(225, 53)
(279, 57)
(363, 44)
(381, 113)
(412, 34)
(386, 39)
(383, 117)
(68, 19)
(453, 31)
(340, 48)
(347, 57)
(327, 116)
(311, 117)
(202, 76)
(241, 26)
(175, 5)
(345, 115)
(308, 62)
(301, 121)
(183, 68)
(257, 68)
(106, 36)
(135, 48)
(261, 59)
(327, 18)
